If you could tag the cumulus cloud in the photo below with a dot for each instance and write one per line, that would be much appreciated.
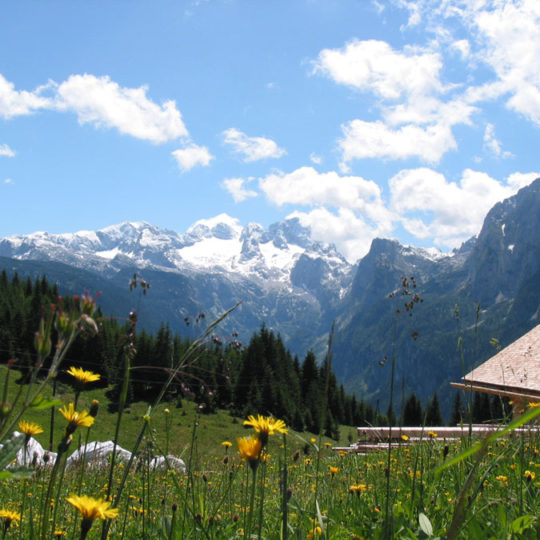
(345, 210)
(192, 156)
(347, 230)
(430, 206)
(414, 122)
(252, 148)
(235, 186)
(373, 66)
(6, 151)
(377, 140)
(8, 181)
(512, 36)
(17, 103)
(104, 103)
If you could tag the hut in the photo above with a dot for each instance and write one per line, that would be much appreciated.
(514, 372)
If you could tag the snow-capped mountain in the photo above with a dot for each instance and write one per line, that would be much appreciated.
(490, 287)
(217, 245)
(279, 274)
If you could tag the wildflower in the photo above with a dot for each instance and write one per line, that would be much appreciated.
(530, 476)
(9, 517)
(82, 376)
(502, 479)
(317, 531)
(534, 405)
(327, 444)
(226, 444)
(75, 419)
(357, 488)
(30, 428)
(404, 437)
(265, 426)
(432, 435)
(250, 450)
(313, 440)
(333, 470)
(90, 509)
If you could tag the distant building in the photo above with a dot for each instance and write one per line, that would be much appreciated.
(513, 372)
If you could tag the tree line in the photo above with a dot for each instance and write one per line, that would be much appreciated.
(262, 376)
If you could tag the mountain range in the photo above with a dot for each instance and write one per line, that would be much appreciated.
(488, 288)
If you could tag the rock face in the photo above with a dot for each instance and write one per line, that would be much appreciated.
(490, 287)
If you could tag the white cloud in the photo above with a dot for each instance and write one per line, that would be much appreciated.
(252, 148)
(492, 144)
(431, 206)
(6, 151)
(8, 181)
(315, 158)
(348, 231)
(376, 140)
(191, 156)
(306, 186)
(511, 30)
(359, 214)
(102, 102)
(463, 47)
(235, 186)
(375, 67)
(16, 103)
(519, 180)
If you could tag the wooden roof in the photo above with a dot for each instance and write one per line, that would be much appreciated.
(514, 369)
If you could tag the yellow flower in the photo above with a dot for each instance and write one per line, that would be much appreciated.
(327, 444)
(83, 376)
(313, 440)
(265, 426)
(404, 437)
(502, 479)
(357, 488)
(317, 531)
(75, 419)
(333, 470)
(432, 434)
(226, 444)
(533, 405)
(250, 450)
(530, 476)
(91, 508)
(30, 428)
(9, 517)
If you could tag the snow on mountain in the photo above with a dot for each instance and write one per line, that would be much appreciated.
(216, 245)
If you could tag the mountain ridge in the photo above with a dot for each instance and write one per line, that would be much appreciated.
(298, 286)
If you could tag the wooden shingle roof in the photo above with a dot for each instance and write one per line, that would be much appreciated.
(515, 369)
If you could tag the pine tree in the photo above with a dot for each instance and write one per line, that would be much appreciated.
(433, 412)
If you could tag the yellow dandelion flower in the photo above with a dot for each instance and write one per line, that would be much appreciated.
(9, 517)
(327, 444)
(82, 376)
(226, 444)
(357, 488)
(313, 440)
(530, 475)
(250, 450)
(534, 405)
(30, 428)
(265, 426)
(432, 434)
(333, 470)
(404, 437)
(75, 419)
(91, 508)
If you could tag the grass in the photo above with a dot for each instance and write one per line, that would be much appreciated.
(323, 495)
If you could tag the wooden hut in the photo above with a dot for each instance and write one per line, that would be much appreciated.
(513, 372)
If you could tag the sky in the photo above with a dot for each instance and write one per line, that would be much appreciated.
(404, 119)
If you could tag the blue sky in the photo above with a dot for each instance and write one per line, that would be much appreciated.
(403, 119)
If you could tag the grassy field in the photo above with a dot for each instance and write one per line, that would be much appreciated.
(294, 486)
